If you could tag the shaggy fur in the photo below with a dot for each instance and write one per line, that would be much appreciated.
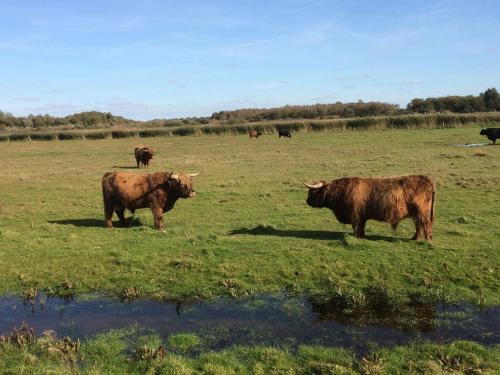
(143, 154)
(491, 133)
(254, 134)
(354, 200)
(284, 133)
(159, 191)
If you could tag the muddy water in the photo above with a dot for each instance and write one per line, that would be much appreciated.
(267, 320)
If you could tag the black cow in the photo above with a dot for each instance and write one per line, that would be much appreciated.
(284, 133)
(491, 133)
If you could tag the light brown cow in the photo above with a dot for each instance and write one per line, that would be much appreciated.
(354, 200)
(158, 191)
(254, 134)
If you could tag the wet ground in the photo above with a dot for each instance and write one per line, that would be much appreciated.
(473, 144)
(267, 320)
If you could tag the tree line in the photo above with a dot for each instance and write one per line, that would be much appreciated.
(83, 120)
(484, 102)
(488, 101)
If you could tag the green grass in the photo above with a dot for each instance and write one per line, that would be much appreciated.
(249, 229)
(124, 352)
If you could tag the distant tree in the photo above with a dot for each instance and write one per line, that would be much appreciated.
(491, 99)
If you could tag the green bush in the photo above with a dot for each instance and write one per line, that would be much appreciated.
(216, 129)
(154, 133)
(97, 135)
(68, 136)
(43, 136)
(18, 137)
(183, 131)
(123, 133)
(4, 138)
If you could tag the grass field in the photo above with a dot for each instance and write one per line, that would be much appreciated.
(106, 354)
(249, 229)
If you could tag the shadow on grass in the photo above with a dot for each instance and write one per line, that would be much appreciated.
(262, 230)
(96, 223)
(124, 167)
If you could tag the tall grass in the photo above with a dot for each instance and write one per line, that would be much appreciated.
(43, 136)
(97, 135)
(123, 133)
(414, 121)
(68, 136)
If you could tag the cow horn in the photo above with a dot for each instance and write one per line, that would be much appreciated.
(314, 186)
(174, 176)
(193, 174)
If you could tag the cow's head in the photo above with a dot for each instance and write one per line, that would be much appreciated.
(482, 132)
(183, 184)
(316, 195)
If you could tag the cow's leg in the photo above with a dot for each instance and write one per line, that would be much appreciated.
(427, 225)
(138, 163)
(359, 229)
(108, 215)
(418, 229)
(120, 212)
(158, 217)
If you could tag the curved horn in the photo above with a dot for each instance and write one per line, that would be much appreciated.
(193, 174)
(174, 176)
(314, 186)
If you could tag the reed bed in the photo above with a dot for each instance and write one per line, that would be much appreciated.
(413, 121)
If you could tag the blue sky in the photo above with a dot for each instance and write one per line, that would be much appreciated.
(165, 59)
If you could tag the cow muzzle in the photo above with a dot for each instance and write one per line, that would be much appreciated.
(192, 194)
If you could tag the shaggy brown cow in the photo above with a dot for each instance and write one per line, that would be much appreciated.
(143, 154)
(159, 191)
(354, 200)
(254, 134)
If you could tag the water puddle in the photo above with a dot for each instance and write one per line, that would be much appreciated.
(472, 145)
(266, 320)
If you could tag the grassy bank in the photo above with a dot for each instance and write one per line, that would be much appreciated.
(249, 229)
(415, 121)
(123, 352)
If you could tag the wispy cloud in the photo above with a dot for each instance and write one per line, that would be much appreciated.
(57, 109)
(40, 82)
(176, 83)
(412, 82)
(269, 85)
(23, 41)
(28, 99)
(355, 77)
(321, 32)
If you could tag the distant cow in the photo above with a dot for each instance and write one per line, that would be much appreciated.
(354, 200)
(254, 134)
(284, 133)
(159, 191)
(143, 154)
(491, 133)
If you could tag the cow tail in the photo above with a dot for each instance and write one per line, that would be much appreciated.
(432, 205)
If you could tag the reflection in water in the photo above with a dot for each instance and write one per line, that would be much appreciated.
(265, 320)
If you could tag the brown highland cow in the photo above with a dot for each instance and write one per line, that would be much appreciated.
(254, 134)
(159, 191)
(143, 154)
(354, 200)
